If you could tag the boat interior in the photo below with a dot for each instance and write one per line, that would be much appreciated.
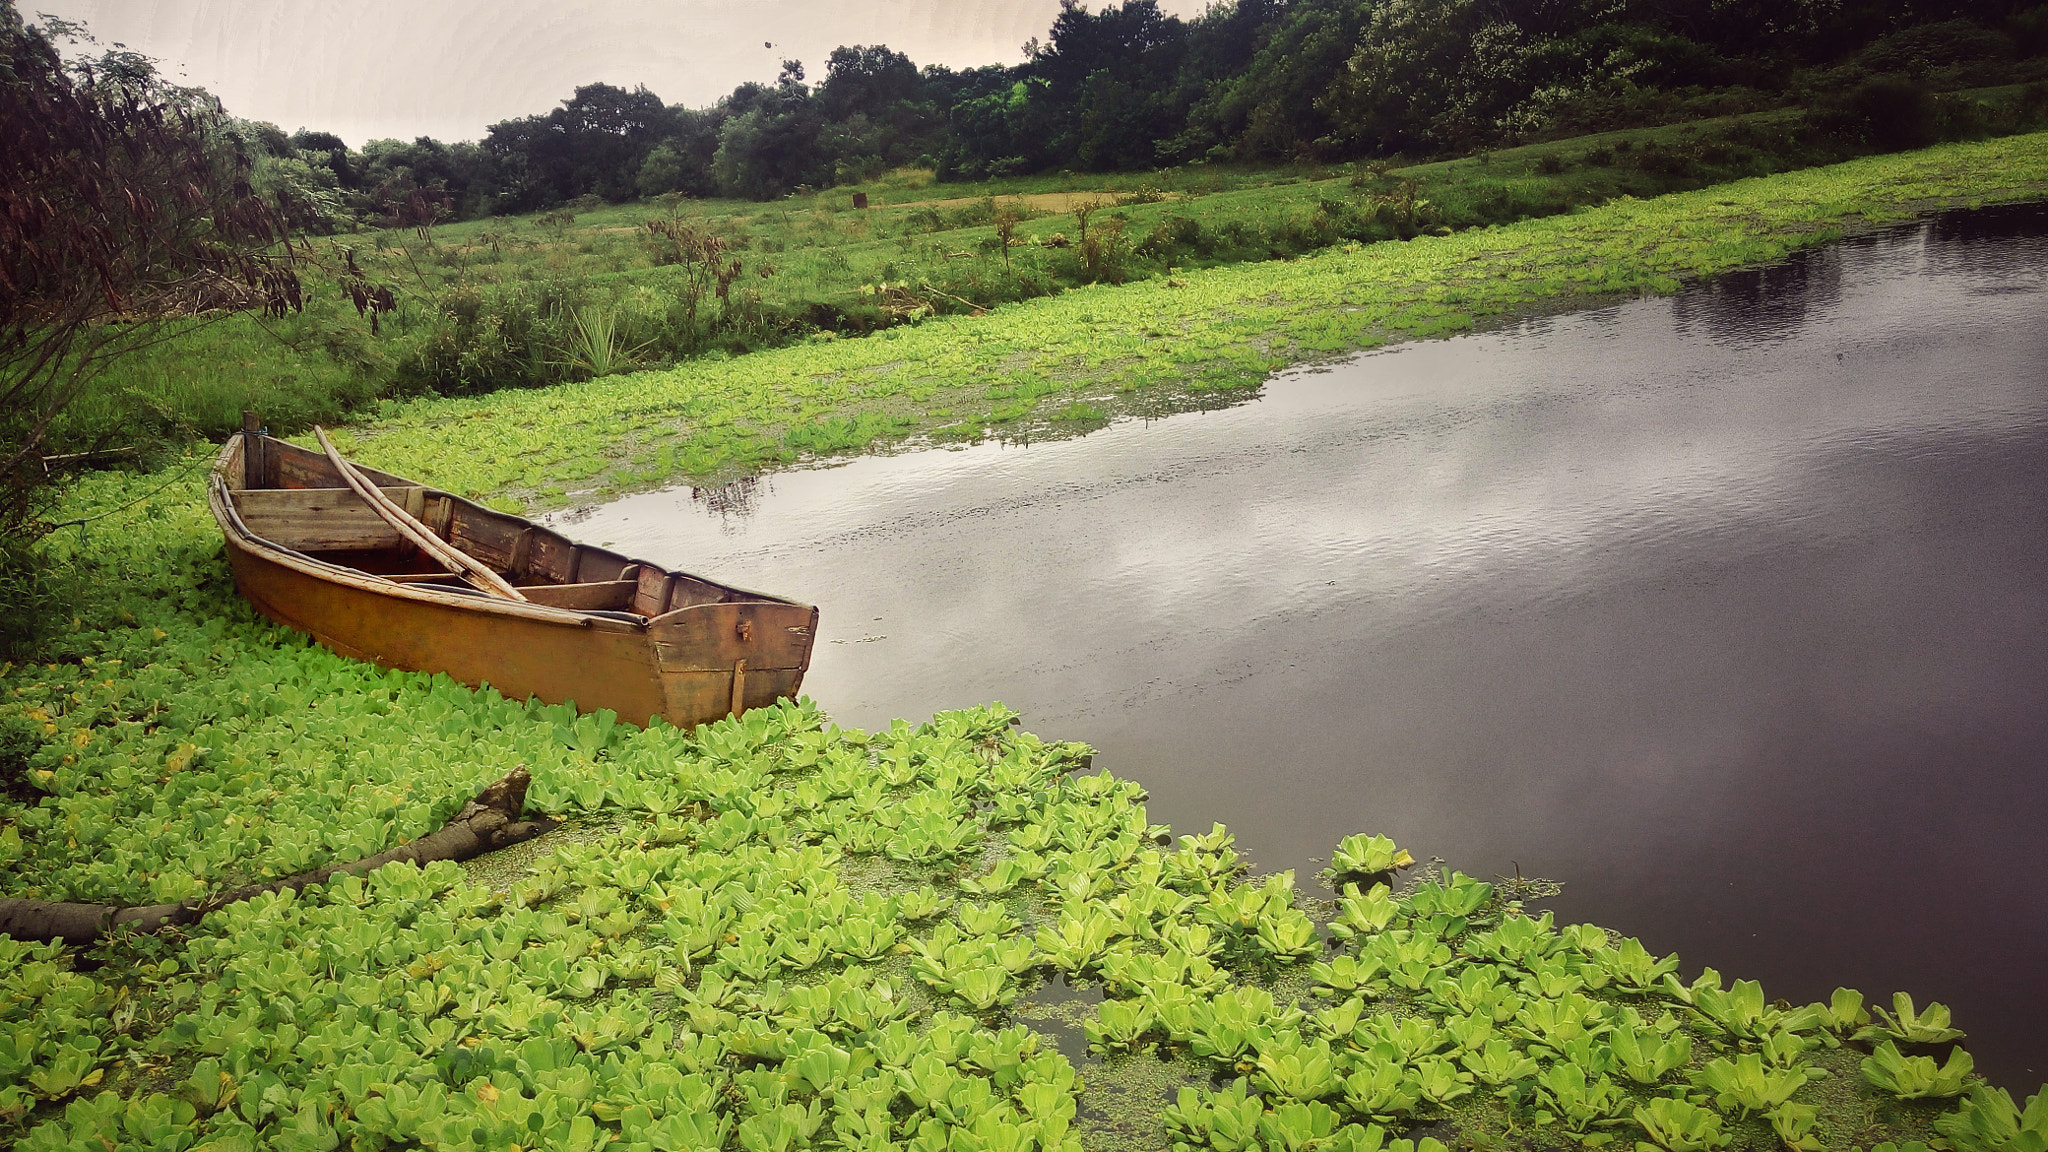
(295, 499)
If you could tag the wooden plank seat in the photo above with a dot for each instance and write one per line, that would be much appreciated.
(611, 594)
(322, 519)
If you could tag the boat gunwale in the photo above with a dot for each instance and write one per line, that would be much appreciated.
(221, 495)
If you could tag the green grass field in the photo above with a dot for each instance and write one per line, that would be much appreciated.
(513, 302)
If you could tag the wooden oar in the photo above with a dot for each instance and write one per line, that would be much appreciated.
(415, 531)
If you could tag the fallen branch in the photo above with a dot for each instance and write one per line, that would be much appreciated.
(485, 824)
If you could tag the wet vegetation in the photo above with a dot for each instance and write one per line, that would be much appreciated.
(775, 934)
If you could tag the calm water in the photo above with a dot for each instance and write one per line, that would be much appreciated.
(1730, 611)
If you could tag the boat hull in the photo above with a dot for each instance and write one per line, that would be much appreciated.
(694, 664)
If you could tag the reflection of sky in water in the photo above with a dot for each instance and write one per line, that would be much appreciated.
(1726, 609)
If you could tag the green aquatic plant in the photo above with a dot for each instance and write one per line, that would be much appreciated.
(1297, 1070)
(1632, 969)
(1364, 915)
(1680, 1126)
(1906, 1026)
(1843, 1011)
(1287, 934)
(1499, 1063)
(1367, 855)
(1516, 940)
(1119, 1025)
(1414, 959)
(1018, 868)
(1554, 1023)
(1382, 1089)
(1441, 1081)
(1078, 940)
(1989, 1122)
(922, 904)
(1225, 1121)
(1339, 1020)
(1226, 1027)
(1649, 1054)
(1738, 1011)
(1470, 1032)
(1748, 1084)
(1457, 897)
(1479, 989)
(985, 919)
(1916, 1077)
(1795, 1124)
(1408, 1038)
(1563, 1095)
(1348, 974)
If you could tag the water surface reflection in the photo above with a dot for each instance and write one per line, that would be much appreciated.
(1727, 610)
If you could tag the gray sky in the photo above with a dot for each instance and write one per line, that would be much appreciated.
(448, 68)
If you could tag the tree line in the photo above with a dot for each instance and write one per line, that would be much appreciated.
(1131, 87)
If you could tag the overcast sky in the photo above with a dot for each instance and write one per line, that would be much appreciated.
(369, 69)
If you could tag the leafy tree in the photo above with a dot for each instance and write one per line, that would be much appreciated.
(1108, 78)
(866, 80)
(1258, 71)
(770, 147)
(994, 125)
(125, 209)
(594, 143)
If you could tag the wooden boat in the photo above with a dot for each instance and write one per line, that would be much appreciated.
(594, 628)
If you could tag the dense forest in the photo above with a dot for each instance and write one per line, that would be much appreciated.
(1248, 81)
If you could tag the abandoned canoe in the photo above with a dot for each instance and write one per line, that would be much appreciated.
(585, 625)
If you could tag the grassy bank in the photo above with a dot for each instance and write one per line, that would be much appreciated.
(1087, 355)
(773, 934)
(583, 292)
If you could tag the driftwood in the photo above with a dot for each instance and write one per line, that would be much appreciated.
(489, 822)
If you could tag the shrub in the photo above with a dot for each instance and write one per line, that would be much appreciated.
(1894, 114)
(32, 598)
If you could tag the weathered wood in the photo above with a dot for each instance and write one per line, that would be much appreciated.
(485, 536)
(599, 650)
(610, 594)
(320, 519)
(710, 637)
(522, 553)
(440, 515)
(412, 529)
(549, 554)
(652, 593)
(739, 688)
(489, 822)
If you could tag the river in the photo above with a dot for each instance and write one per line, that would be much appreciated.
(1728, 610)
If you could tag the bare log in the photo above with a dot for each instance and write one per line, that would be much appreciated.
(485, 824)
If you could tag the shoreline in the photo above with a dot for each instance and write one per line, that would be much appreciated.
(1090, 355)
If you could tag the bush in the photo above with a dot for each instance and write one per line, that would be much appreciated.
(32, 600)
(1917, 50)
(479, 341)
(20, 740)
(1894, 114)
